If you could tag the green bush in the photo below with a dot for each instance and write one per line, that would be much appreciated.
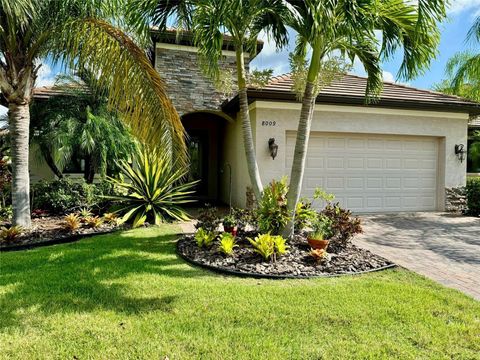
(272, 212)
(204, 238)
(64, 195)
(227, 244)
(473, 196)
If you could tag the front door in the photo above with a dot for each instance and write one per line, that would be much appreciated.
(198, 152)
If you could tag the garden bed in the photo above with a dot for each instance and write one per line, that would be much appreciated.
(296, 263)
(50, 230)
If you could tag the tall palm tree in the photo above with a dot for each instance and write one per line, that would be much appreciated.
(349, 27)
(78, 33)
(242, 20)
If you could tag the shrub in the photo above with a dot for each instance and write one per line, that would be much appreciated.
(473, 196)
(305, 214)
(9, 235)
(84, 213)
(227, 244)
(322, 228)
(229, 221)
(6, 212)
(5, 182)
(269, 246)
(71, 222)
(154, 189)
(272, 212)
(110, 218)
(204, 238)
(244, 218)
(344, 226)
(64, 195)
(93, 221)
(208, 219)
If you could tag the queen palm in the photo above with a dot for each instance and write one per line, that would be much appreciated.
(79, 33)
(242, 20)
(350, 28)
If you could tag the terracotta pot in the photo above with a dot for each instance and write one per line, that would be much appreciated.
(231, 230)
(318, 244)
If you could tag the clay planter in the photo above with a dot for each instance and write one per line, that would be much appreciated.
(231, 230)
(318, 244)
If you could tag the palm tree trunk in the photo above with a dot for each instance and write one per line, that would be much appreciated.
(247, 126)
(19, 123)
(300, 155)
(303, 135)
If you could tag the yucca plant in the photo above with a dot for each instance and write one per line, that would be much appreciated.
(9, 235)
(227, 244)
(154, 188)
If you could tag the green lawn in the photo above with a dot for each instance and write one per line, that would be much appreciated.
(127, 296)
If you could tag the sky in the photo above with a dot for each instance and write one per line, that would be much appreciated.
(461, 15)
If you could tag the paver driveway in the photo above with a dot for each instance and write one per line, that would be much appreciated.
(443, 247)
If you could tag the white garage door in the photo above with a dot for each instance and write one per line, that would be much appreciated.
(372, 173)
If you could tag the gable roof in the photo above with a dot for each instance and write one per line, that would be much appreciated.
(350, 90)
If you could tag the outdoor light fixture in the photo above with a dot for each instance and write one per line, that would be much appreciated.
(460, 152)
(272, 147)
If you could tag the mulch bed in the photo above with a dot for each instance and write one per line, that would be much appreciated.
(50, 231)
(296, 263)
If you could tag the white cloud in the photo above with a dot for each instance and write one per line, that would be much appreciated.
(457, 6)
(45, 76)
(388, 76)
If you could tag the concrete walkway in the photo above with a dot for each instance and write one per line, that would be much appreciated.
(442, 247)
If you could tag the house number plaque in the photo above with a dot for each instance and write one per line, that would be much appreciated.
(269, 123)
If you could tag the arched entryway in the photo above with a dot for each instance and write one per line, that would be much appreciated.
(205, 142)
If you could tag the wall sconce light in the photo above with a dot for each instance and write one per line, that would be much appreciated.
(273, 148)
(460, 152)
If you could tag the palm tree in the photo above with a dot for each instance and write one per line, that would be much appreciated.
(242, 20)
(79, 123)
(463, 70)
(78, 33)
(349, 28)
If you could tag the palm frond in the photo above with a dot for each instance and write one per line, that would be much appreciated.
(134, 87)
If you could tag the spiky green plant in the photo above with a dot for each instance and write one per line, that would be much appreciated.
(154, 188)
(227, 244)
(269, 246)
(204, 238)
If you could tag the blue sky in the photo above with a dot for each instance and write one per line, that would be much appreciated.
(461, 16)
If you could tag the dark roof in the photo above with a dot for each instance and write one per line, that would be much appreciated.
(350, 90)
(475, 123)
(183, 37)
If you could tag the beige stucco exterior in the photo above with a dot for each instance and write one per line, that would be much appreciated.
(282, 117)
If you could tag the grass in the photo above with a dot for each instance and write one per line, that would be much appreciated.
(127, 296)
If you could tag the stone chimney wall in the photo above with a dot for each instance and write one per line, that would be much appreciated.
(188, 88)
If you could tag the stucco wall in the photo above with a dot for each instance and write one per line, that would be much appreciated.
(234, 157)
(278, 118)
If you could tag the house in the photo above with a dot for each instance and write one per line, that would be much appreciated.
(400, 154)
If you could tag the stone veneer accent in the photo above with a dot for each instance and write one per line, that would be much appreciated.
(188, 88)
(455, 199)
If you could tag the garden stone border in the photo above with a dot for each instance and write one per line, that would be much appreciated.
(65, 240)
(225, 271)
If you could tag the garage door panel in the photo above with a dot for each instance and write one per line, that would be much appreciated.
(372, 173)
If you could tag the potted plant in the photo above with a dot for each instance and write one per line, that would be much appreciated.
(230, 224)
(319, 237)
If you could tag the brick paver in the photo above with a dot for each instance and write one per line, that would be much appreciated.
(442, 247)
